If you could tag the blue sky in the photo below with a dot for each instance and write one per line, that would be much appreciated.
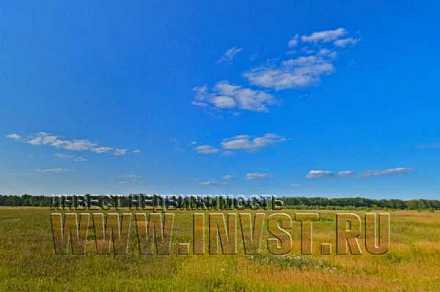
(293, 97)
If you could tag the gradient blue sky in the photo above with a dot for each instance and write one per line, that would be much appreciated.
(285, 97)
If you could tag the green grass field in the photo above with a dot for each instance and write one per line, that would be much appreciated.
(28, 263)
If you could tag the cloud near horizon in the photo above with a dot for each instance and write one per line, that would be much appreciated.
(129, 179)
(218, 182)
(318, 173)
(70, 157)
(257, 175)
(242, 143)
(52, 170)
(246, 142)
(44, 138)
(388, 171)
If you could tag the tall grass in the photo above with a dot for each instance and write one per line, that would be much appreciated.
(27, 262)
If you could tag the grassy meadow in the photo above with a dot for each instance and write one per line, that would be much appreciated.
(28, 263)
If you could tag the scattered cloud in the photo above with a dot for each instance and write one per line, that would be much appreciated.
(388, 171)
(223, 181)
(52, 170)
(228, 96)
(324, 36)
(346, 42)
(241, 142)
(315, 60)
(211, 183)
(13, 136)
(312, 174)
(80, 159)
(120, 152)
(345, 173)
(206, 149)
(293, 73)
(318, 173)
(102, 149)
(43, 138)
(229, 55)
(246, 142)
(293, 42)
(227, 177)
(311, 57)
(257, 175)
(129, 179)
(64, 156)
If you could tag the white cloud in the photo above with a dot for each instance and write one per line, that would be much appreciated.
(327, 53)
(80, 159)
(223, 181)
(345, 173)
(222, 101)
(211, 183)
(136, 151)
(52, 170)
(63, 156)
(13, 136)
(206, 149)
(316, 58)
(293, 42)
(246, 142)
(229, 55)
(102, 149)
(227, 96)
(70, 157)
(317, 173)
(388, 171)
(324, 36)
(348, 173)
(241, 142)
(43, 138)
(257, 175)
(299, 72)
(120, 152)
(130, 179)
(227, 177)
(342, 43)
(313, 58)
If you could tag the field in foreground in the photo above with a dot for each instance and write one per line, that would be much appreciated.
(28, 263)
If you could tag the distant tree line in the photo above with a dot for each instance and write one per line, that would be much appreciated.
(359, 202)
(290, 202)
